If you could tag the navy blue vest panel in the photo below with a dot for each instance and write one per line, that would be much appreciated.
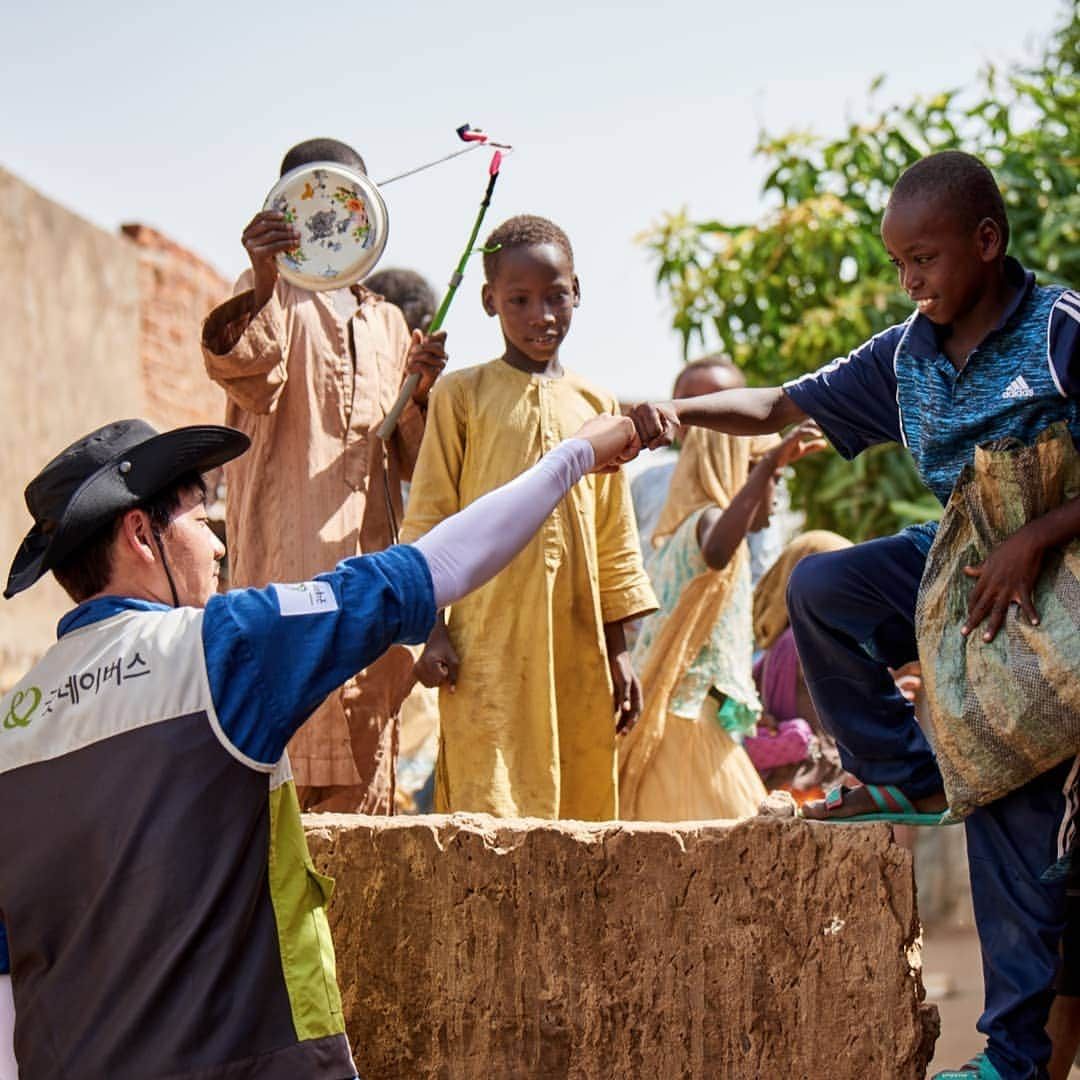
(123, 950)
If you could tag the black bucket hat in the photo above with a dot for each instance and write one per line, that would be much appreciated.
(105, 473)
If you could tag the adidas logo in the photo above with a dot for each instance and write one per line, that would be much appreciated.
(1018, 388)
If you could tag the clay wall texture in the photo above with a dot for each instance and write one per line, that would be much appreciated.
(97, 327)
(474, 948)
(176, 292)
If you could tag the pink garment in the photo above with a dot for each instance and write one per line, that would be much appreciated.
(789, 744)
(777, 676)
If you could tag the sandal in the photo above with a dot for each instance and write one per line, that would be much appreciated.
(892, 806)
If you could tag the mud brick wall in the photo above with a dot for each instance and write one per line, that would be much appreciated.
(96, 327)
(474, 948)
(69, 308)
(176, 291)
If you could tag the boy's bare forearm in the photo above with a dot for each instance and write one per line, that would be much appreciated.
(1058, 527)
(720, 534)
(746, 411)
(615, 636)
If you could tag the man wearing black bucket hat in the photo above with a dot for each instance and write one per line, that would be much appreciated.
(162, 915)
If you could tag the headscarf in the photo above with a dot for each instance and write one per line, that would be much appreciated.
(770, 596)
(711, 470)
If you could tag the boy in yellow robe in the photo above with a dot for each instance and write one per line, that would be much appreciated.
(534, 672)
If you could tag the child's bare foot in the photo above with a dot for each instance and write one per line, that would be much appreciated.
(858, 801)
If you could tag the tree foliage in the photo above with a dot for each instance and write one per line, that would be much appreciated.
(811, 280)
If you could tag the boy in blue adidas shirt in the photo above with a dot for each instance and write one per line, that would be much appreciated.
(987, 353)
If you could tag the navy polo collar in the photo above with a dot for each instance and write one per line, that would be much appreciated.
(925, 339)
(103, 607)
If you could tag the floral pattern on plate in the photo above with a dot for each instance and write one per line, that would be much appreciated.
(342, 223)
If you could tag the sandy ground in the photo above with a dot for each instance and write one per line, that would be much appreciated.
(952, 972)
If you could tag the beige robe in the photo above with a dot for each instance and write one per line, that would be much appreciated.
(529, 730)
(310, 491)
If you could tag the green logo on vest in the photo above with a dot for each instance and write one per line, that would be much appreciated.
(24, 703)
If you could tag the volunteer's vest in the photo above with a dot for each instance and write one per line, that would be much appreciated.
(162, 912)
(1008, 387)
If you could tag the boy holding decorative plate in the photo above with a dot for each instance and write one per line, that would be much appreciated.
(310, 373)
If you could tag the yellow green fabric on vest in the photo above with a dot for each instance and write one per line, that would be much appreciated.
(299, 900)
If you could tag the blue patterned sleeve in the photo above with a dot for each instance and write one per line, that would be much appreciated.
(853, 399)
(273, 654)
(1063, 345)
(5, 959)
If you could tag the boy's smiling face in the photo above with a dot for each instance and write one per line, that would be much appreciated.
(534, 292)
(943, 266)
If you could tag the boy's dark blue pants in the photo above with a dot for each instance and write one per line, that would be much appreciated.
(852, 613)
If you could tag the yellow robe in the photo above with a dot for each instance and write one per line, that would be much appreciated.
(529, 731)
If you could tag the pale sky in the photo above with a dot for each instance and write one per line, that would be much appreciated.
(178, 118)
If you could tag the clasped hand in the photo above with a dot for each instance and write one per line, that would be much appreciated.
(438, 662)
(614, 441)
(655, 423)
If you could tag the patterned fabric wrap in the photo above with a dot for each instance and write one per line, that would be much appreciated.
(720, 654)
(1002, 712)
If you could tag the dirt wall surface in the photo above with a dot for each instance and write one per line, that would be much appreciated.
(470, 947)
(97, 327)
(69, 305)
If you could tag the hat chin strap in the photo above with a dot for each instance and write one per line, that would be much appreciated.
(165, 563)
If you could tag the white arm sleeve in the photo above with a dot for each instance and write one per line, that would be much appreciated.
(9, 1070)
(473, 545)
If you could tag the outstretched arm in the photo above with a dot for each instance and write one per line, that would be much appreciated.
(308, 638)
(721, 530)
(473, 545)
(746, 411)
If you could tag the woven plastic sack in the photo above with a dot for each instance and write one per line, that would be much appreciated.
(1002, 712)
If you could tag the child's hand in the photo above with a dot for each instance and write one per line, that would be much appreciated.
(908, 680)
(613, 439)
(656, 423)
(805, 439)
(427, 358)
(1007, 577)
(627, 692)
(438, 662)
(268, 235)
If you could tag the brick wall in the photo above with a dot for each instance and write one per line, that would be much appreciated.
(176, 290)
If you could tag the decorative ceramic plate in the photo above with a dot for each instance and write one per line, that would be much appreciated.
(342, 221)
